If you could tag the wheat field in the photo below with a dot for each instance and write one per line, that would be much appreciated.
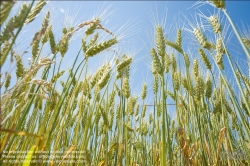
(53, 115)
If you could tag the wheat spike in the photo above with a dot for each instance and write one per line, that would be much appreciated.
(100, 47)
(123, 64)
(19, 65)
(176, 81)
(202, 39)
(52, 42)
(205, 59)
(219, 53)
(246, 42)
(92, 27)
(160, 42)
(35, 11)
(174, 63)
(144, 91)
(156, 64)
(35, 49)
(167, 63)
(64, 42)
(199, 88)
(215, 23)
(6, 7)
(105, 78)
(219, 3)
(196, 68)
(155, 85)
(126, 87)
(186, 60)
(7, 82)
(208, 87)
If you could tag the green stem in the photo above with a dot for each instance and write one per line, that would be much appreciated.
(233, 99)
(163, 136)
(237, 33)
(237, 79)
(13, 41)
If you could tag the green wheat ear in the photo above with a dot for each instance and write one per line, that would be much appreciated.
(184, 83)
(155, 85)
(35, 49)
(18, 19)
(58, 75)
(100, 47)
(97, 76)
(6, 7)
(167, 63)
(123, 64)
(144, 109)
(4, 50)
(126, 87)
(105, 78)
(7, 82)
(219, 53)
(131, 105)
(174, 63)
(176, 77)
(93, 41)
(92, 27)
(35, 11)
(246, 42)
(52, 42)
(19, 65)
(179, 38)
(219, 3)
(186, 60)
(64, 42)
(160, 41)
(208, 87)
(156, 64)
(144, 91)
(13, 23)
(199, 88)
(205, 59)
(196, 68)
(178, 44)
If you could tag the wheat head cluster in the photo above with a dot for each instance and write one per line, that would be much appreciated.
(96, 114)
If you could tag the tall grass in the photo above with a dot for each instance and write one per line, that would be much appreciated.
(95, 119)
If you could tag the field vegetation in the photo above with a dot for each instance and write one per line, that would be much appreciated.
(96, 113)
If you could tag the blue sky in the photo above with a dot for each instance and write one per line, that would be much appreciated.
(138, 19)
